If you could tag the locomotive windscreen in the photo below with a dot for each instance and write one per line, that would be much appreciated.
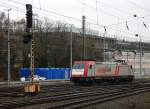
(78, 66)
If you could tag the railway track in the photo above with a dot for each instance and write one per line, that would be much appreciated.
(72, 96)
(95, 98)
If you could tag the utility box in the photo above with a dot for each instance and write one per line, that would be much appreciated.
(32, 88)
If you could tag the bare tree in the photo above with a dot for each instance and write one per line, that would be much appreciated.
(2, 20)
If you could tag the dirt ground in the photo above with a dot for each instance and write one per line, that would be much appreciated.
(141, 101)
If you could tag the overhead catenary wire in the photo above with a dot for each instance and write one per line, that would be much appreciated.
(97, 25)
(110, 6)
(83, 8)
(13, 7)
(101, 26)
(93, 8)
(121, 11)
(113, 29)
(126, 21)
(97, 14)
(44, 10)
(72, 17)
(40, 4)
(18, 9)
(137, 5)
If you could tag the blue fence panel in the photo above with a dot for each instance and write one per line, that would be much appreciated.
(67, 73)
(42, 72)
(62, 71)
(56, 74)
(24, 72)
(48, 73)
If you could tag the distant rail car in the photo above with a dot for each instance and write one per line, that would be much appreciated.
(92, 71)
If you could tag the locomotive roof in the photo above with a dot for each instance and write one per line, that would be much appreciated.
(106, 62)
(123, 63)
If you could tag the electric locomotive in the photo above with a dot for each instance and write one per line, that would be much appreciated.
(92, 71)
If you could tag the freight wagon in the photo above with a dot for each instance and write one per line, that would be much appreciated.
(91, 71)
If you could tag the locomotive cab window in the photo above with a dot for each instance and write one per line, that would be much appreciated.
(78, 66)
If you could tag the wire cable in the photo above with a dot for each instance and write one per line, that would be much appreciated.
(72, 17)
(47, 11)
(14, 8)
(117, 9)
(93, 8)
(65, 15)
(137, 5)
(97, 12)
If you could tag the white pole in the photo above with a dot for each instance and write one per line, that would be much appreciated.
(134, 62)
(71, 46)
(140, 57)
(8, 36)
(104, 43)
(140, 39)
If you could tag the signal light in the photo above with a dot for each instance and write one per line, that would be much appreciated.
(27, 38)
(29, 15)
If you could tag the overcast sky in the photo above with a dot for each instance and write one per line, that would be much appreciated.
(107, 12)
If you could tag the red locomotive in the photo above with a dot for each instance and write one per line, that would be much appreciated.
(92, 71)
